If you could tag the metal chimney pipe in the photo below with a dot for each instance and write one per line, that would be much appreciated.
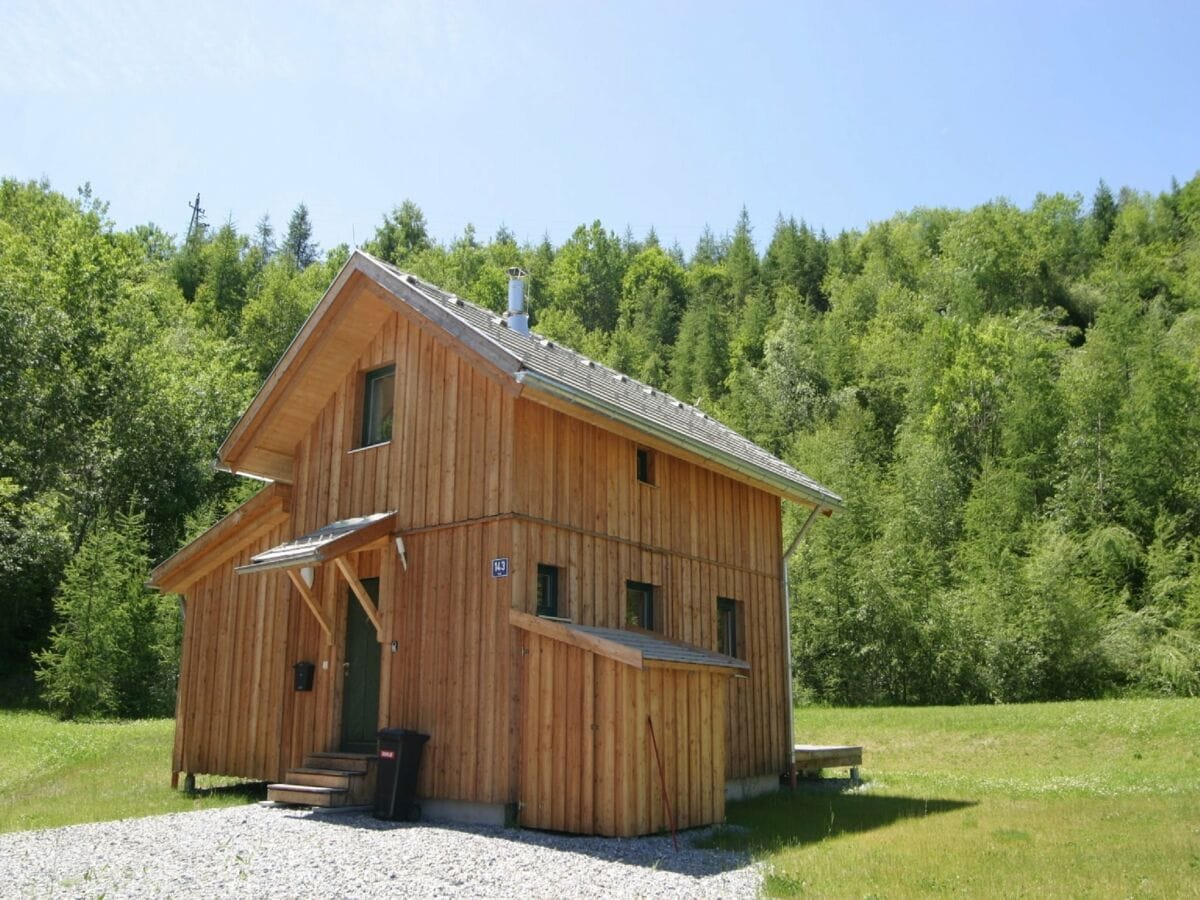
(518, 319)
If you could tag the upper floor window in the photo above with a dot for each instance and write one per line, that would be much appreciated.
(728, 613)
(645, 465)
(639, 605)
(378, 402)
(547, 590)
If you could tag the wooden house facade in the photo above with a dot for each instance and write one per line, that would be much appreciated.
(572, 582)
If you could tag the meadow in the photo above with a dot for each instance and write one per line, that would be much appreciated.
(63, 773)
(1098, 798)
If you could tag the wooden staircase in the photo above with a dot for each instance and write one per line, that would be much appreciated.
(327, 780)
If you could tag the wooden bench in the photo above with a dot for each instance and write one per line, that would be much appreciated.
(811, 759)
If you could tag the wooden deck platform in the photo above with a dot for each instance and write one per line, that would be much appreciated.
(812, 758)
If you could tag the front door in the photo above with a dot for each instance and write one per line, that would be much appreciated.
(360, 688)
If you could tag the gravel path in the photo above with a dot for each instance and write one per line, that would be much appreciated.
(264, 851)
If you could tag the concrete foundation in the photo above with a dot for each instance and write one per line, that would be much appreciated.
(465, 812)
(755, 786)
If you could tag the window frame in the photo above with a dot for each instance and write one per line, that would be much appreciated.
(643, 466)
(730, 617)
(366, 407)
(650, 605)
(550, 573)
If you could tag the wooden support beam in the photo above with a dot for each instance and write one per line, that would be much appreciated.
(351, 575)
(589, 642)
(307, 594)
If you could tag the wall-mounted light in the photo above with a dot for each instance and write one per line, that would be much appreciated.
(307, 573)
(400, 551)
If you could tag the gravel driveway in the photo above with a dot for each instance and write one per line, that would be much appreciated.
(264, 851)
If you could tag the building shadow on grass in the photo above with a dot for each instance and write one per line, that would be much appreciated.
(249, 791)
(754, 826)
(809, 816)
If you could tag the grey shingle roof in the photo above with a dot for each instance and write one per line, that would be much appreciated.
(307, 548)
(549, 365)
(654, 648)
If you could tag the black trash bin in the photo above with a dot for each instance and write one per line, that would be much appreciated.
(400, 753)
(303, 672)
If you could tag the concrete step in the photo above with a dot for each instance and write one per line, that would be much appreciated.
(307, 795)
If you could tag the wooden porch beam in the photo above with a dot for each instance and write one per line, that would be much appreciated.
(351, 575)
(307, 594)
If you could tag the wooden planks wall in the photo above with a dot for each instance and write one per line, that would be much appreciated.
(452, 439)
(474, 473)
(695, 535)
(587, 763)
(234, 671)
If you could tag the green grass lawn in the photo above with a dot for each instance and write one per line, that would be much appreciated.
(1067, 800)
(62, 773)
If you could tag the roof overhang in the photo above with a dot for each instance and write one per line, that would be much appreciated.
(325, 544)
(825, 502)
(269, 508)
(631, 647)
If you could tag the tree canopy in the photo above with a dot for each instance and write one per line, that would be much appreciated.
(1006, 397)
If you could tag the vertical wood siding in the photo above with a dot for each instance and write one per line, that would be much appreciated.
(475, 473)
(694, 534)
(587, 760)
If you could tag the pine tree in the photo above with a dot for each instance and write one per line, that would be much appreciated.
(299, 246)
(264, 239)
(114, 649)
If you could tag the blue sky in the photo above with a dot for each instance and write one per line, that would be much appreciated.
(543, 116)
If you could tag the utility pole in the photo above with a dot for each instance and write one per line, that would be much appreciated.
(197, 225)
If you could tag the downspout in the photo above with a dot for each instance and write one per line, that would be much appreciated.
(787, 644)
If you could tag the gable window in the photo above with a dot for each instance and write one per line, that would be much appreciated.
(639, 605)
(378, 400)
(728, 632)
(645, 465)
(547, 590)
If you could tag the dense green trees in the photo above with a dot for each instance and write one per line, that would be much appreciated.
(1009, 399)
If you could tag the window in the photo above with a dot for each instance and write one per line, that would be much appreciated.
(547, 590)
(728, 614)
(378, 389)
(639, 605)
(645, 466)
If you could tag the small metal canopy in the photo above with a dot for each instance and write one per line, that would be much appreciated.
(326, 543)
(329, 543)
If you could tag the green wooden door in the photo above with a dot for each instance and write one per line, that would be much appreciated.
(360, 689)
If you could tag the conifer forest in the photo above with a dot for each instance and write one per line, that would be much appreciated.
(1007, 398)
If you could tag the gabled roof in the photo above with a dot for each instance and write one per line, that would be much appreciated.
(530, 362)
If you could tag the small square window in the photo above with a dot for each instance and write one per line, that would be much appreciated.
(547, 590)
(378, 402)
(645, 465)
(728, 631)
(639, 605)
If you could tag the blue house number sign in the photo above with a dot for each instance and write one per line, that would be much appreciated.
(500, 567)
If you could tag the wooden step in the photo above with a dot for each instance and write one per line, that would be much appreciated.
(307, 795)
(344, 762)
(332, 778)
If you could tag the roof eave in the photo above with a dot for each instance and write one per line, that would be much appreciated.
(827, 502)
(231, 448)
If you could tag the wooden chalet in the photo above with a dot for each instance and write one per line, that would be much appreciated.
(572, 582)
